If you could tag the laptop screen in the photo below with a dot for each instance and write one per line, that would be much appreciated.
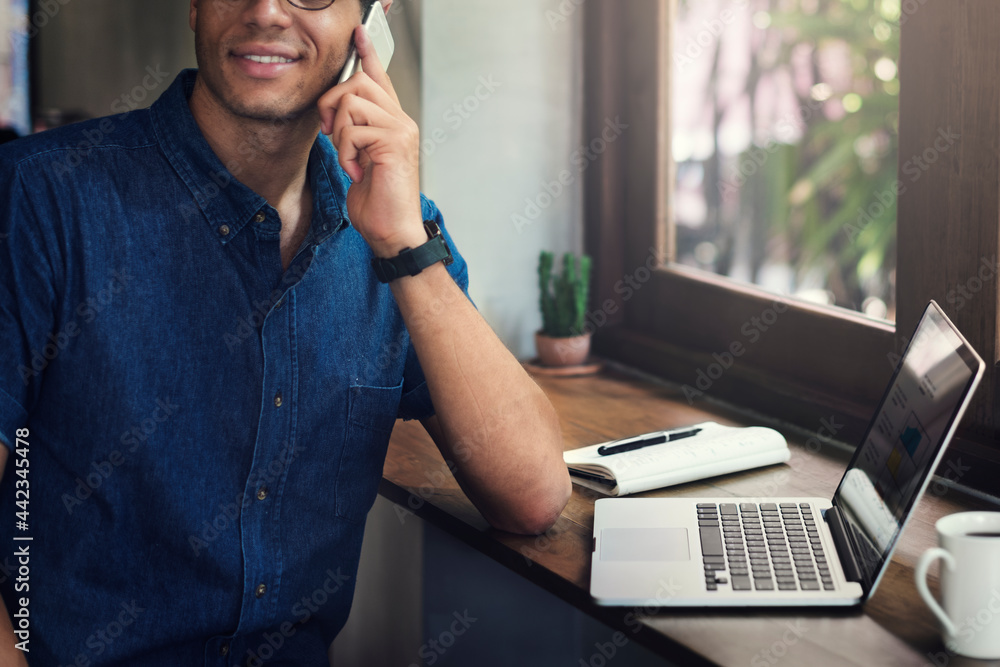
(905, 439)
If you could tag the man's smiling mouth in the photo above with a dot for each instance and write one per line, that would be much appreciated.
(268, 60)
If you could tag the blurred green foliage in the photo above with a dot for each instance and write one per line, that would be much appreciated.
(825, 204)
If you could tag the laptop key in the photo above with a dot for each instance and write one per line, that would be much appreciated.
(728, 508)
(741, 583)
(787, 586)
(810, 585)
(711, 541)
(763, 584)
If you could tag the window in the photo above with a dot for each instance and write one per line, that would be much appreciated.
(785, 357)
(784, 136)
(14, 98)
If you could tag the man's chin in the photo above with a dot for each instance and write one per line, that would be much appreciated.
(269, 113)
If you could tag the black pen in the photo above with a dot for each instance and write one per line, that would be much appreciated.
(607, 450)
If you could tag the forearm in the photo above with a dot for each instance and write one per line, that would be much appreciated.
(497, 425)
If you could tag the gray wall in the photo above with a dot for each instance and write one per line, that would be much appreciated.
(504, 144)
(92, 53)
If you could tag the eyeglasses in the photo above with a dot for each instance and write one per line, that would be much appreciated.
(308, 5)
(311, 5)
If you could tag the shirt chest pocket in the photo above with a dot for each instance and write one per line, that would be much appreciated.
(370, 418)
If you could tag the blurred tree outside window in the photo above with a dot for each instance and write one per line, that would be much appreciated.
(785, 122)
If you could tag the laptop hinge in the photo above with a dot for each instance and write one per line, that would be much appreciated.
(839, 533)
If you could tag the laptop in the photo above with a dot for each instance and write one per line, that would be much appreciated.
(748, 552)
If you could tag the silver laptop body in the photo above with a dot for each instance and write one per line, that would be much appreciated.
(738, 552)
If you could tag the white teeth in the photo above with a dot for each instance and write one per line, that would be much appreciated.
(267, 60)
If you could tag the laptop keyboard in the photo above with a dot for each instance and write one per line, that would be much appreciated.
(766, 546)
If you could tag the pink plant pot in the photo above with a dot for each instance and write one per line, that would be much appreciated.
(556, 352)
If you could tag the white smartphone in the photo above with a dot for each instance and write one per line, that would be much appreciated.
(378, 30)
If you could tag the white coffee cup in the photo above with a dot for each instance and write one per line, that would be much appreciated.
(970, 582)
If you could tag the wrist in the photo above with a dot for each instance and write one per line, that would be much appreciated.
(412, 236)
(413, 259)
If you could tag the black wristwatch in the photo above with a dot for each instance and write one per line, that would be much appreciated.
(411, 261)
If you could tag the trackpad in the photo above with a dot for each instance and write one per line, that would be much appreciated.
(645, 544)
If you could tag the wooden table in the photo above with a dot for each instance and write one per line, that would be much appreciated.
(893, 628)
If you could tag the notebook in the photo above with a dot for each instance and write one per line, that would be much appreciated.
(741, 552)
(664, 458)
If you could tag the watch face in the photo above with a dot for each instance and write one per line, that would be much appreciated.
(432, 229)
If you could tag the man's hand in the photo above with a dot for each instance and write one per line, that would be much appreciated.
(379, 148)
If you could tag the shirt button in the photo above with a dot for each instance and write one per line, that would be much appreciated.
(224, 649)
(261, 589)
(260, 217)
(262, 493)
(277, 400)
(224, 230)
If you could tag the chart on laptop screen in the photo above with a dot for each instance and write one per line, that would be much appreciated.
(913, 418)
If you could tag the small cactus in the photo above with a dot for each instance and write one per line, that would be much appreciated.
(563, 301)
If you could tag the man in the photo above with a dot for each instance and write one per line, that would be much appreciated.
(200, 370)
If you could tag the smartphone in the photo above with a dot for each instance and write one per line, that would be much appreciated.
(378, 30)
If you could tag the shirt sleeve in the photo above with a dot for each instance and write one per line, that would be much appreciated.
(30, 341)
(416, 399)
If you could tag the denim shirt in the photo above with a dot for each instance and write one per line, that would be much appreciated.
(205, 431)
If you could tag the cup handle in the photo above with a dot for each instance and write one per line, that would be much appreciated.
(923, 565)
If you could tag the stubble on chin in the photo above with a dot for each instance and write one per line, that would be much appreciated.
(286, 109)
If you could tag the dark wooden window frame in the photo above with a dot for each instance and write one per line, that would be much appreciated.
(785, 359)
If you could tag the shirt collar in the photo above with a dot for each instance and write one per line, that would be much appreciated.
(227, 204)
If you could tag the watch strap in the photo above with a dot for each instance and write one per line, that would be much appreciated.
(411, 261)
